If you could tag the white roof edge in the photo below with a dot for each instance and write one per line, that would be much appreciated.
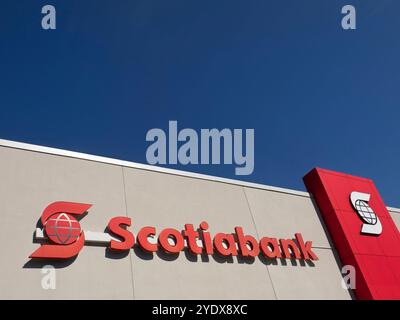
(135, 165)
(128, 164)
(395, 210)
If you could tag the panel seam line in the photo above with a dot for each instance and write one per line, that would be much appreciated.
(258, 236)
(126, 213)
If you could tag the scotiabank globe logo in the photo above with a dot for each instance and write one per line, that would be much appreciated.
(63, 231)
(372, 224)
(63, 228)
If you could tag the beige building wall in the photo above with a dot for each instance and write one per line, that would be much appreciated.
(31, 180)
(395, 213)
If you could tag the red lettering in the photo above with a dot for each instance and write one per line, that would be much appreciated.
(287, 244)
(169, 234)
(270, 248)
(192, 236)
(305, 248)
(207, 243)
(143, 239)
(173, 241)
(220, 239)
(116, 226)
(244, 241)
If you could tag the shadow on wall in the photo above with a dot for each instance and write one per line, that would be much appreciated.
(144, 255)
(204, 258)
(40, 263)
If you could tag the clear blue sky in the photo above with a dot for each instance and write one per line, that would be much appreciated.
(316, 95)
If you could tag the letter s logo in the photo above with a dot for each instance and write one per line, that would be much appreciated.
(372, 224)
(63, 230)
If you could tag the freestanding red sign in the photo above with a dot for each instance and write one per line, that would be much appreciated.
(361, 229)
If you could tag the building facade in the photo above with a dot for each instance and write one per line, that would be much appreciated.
(33, 177)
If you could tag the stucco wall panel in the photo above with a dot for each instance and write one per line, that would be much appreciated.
(29, 182)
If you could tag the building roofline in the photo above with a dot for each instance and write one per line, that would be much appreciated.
(140, 166)
(395, 210)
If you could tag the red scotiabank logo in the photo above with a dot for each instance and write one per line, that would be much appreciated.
(64, 238)
(63, 230)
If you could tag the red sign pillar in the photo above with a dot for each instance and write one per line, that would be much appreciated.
(361, 229)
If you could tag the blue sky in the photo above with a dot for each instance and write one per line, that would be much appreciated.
(315, 94)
